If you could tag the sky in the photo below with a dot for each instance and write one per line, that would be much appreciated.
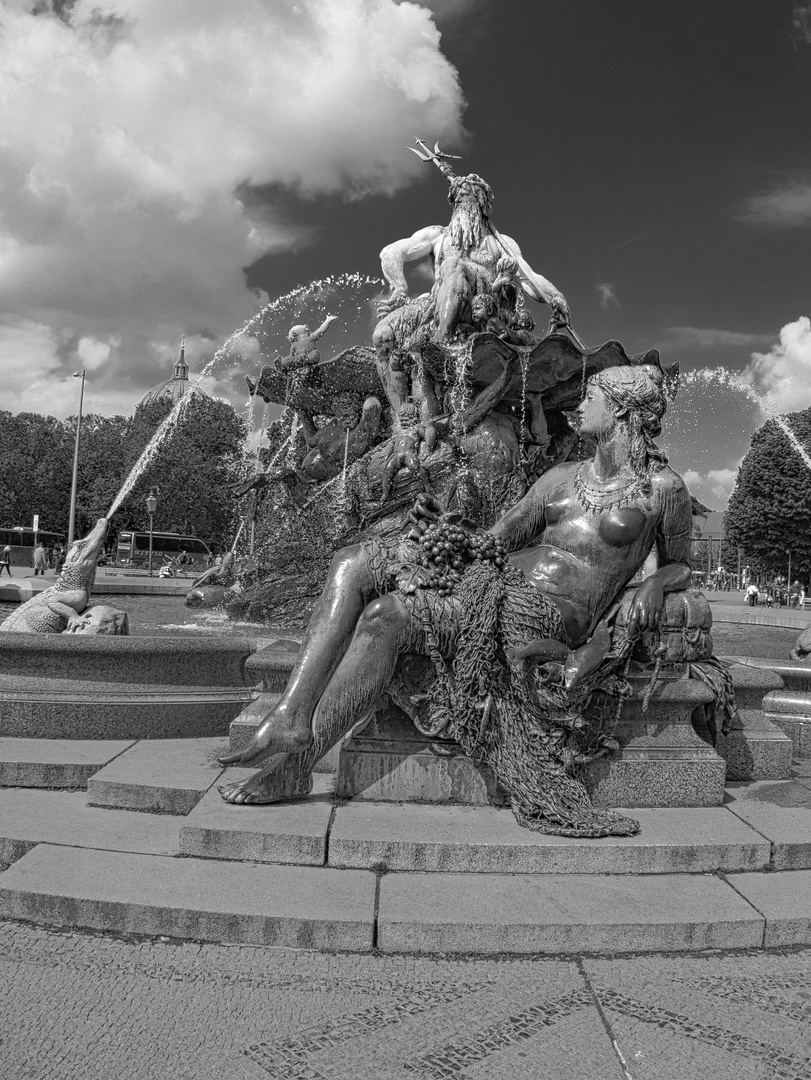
(171, 168)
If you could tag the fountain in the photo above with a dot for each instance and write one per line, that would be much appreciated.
(457, 656)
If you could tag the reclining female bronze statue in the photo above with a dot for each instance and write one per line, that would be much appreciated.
(573, 543)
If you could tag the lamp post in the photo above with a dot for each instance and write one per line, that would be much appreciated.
(72, 516)
(151, 507)
(788, 580)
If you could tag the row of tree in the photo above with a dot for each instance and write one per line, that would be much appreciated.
(190, 472)
(769, 513)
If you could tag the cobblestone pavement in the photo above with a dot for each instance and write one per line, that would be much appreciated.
(75, 1005)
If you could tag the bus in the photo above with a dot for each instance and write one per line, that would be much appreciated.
(21, 542)
(133, 549)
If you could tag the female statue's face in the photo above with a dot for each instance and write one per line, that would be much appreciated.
(595, 413)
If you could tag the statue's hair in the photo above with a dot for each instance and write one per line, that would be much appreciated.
(640, 392)
(482, 190)
(295, 332)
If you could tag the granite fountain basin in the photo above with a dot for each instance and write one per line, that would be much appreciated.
(55, 686)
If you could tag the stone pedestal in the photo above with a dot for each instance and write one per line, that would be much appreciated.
(755, 748)
(662, 760)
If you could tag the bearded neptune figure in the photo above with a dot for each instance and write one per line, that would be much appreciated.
(518, 627)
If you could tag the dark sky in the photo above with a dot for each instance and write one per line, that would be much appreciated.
(651, 147)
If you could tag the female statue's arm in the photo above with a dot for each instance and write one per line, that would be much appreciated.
(672, 549)
(525, 522)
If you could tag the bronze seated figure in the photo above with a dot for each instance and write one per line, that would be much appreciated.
(520, 622)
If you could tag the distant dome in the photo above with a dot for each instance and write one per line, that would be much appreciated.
(171, 389)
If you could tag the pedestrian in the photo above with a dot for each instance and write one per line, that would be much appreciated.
(5, 559)
(40, 559)
(751, 595)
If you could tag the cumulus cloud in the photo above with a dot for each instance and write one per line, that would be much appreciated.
(784, 373)
(132, 130)
(715, 486)
(706, 338)
(608, 295)
(786, 206)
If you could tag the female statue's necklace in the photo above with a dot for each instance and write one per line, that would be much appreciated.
(599, 498)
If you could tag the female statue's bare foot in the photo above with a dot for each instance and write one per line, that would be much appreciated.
(277, 734)
(278, 780)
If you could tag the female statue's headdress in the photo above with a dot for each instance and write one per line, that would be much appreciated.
(640, 392)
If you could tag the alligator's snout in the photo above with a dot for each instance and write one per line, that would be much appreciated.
(85, 553)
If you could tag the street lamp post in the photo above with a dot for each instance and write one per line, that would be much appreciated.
(151, 507)
(788, 581)
(73, 483)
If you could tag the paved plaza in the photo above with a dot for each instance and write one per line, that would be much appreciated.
(81, 1007)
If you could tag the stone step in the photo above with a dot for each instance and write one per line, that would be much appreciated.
(198, 899)
(159, 776)
(785, 902)
(488, 840)
(780, 811)
(29, 817)
(55, 763)
(461, 839)
(292, 832)
(496, 913)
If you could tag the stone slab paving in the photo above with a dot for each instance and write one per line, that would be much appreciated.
(293, 832)
(75, 1006)
(55, 763)
(784, 899)
(485, 839)
(29, 817)
(196, 899)
(688, 1018)
(523, 913)
(166, 776)
(779, 810)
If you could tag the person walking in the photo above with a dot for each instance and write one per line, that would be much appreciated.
(5, 560)
(40, 559)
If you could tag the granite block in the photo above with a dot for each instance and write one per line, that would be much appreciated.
(29, 817)
(519, 913)
(785, 902)
(755, 748)
(198, 899)
(781, 812)
(160, 776)
(55, 763)
(64, 708)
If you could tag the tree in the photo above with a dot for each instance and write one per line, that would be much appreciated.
(190, 472)
(769, 513)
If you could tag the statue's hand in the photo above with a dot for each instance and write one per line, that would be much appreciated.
(391, 303)
(646, 607)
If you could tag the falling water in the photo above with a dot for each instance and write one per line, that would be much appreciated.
(346, 460)
(795, 442)
(167, 426)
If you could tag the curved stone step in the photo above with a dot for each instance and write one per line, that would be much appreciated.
(200, 899)
(318, 908)
(462, 839)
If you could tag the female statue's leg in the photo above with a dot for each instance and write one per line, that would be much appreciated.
(348, 587)
(363, 674)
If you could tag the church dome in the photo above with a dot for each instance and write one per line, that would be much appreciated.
(171, 389)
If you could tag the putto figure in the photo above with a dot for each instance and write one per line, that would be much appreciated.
(518, 624)
(303, 353)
